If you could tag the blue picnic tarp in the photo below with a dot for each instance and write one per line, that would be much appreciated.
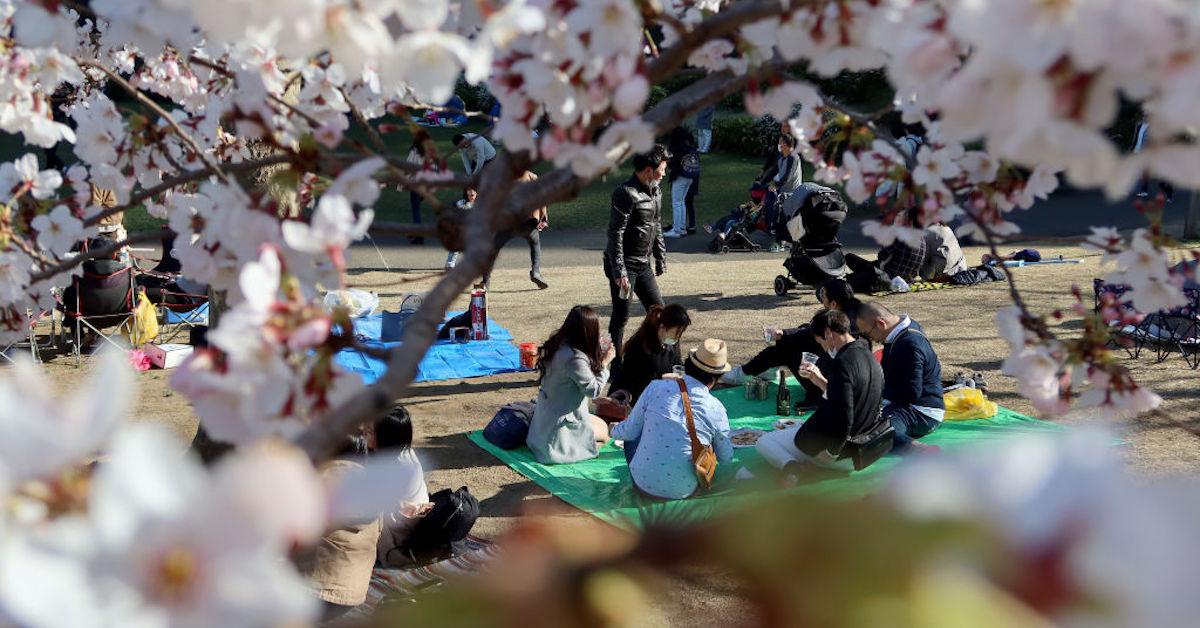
(444, 360)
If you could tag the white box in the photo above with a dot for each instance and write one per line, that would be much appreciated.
(167, 356)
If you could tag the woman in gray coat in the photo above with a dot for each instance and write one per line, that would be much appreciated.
(573, 368)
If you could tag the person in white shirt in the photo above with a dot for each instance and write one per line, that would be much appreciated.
(393, 437)
(475, 151)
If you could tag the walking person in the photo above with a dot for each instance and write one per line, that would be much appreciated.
(683, 171)
(475, 151)
(466, 203)
(531, 231)
(636, 253)
(421, 154)
(704, 125)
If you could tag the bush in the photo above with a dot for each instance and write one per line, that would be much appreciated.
(475, 97)
(657, 93)
(740, 134)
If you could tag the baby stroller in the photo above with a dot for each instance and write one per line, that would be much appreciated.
(813, 216)
(732, 233)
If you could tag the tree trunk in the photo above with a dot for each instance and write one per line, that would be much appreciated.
(1191, 222)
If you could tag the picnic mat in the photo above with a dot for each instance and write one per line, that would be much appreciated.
(401, 585)
(444, 360)
(602, 486)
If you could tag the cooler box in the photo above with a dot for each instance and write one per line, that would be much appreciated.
(167, 356)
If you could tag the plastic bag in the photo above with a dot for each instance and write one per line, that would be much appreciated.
(963, 404)
(145, 322)
(359, 302)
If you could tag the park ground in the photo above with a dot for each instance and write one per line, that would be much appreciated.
(731, 298)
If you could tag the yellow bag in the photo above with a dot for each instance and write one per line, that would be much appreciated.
(963, 404)
(145, 318)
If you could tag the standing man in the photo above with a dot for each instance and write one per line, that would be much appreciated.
(531, 230)
(475, 151)
(912, 388)
(636, 252)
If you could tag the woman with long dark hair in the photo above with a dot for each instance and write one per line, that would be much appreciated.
(421, 154)
(572, 368)
(653, 350)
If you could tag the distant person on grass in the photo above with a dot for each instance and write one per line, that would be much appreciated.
(572, 369)
(475, 151)
(683, 171)
(466, 203)
(636, 253)
(657, 442)
(421, 154)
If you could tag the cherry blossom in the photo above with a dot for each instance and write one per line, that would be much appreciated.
(58, 230)
(23, 177)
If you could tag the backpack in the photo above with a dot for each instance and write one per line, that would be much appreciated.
(448, 522)
(509, 428)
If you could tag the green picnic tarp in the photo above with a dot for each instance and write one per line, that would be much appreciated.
(602, 486)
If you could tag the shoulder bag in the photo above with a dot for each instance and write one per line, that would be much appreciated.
(703, 457)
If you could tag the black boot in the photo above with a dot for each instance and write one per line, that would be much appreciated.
(536, 278)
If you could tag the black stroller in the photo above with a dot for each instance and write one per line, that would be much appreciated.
(732, 233)
(813, 216)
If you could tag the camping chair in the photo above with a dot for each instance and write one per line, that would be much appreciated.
(1137, 335)
(31, 343)
(103, 297)
(179, 311)
(1179, 330)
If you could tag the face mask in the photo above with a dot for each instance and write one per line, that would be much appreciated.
(670, 342)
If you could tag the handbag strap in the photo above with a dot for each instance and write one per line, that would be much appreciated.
(697, 446)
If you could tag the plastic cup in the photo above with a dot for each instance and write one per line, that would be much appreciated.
(605, 343)
(808, 358)
(769, 335)
(678, 370)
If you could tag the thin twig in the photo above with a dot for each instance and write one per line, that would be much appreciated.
(201, 154)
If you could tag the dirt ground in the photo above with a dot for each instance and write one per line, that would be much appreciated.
(730, 297)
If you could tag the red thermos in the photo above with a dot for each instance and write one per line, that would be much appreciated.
(479, 328)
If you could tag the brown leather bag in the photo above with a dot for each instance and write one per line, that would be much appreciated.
(703, 457)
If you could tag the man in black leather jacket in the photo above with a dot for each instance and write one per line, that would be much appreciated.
(636, 253)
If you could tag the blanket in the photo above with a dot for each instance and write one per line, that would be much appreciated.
(602, 486)
(444, 360)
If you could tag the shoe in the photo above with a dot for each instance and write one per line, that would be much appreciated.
(672, 234)
(775, 248)
(980, 382)
(537, 279)
(416, 241)
(734, 377)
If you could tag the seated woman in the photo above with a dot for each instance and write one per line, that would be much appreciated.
(339, 568)
(943, 254)
(662, 465)
(653, 350)
(393, 437)
(572, 368)
(789, 345)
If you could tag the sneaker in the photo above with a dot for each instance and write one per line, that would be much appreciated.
(775, 248)
(980, 382)
(536, 278)
(734, 377)
(672, 234)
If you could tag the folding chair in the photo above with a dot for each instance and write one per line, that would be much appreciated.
(1138, 335)
(1179, 330)
(181, 312)
(103, 297)
(31, 343)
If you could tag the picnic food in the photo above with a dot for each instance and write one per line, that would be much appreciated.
(745, 438)
(783, 424)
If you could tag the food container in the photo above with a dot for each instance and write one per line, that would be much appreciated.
(460, 335)
(167, 356)
(756, 389)
(528, 355)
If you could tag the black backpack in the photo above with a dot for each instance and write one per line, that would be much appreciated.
(448, 522)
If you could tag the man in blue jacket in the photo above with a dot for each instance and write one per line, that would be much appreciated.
(912, 375)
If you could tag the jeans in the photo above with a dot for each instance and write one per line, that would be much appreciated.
(529, 231)
(909, 423)
(679, 190)
(414, 202)
(645, 286)
(705, 140)
(788, 352)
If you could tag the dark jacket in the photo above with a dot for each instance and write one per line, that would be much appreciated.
(634, 230)
(912, 373)
(851, 404)
(639, 367)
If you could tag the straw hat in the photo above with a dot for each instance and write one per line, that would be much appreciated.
(711, 356)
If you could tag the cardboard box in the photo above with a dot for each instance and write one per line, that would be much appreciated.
(167, 356)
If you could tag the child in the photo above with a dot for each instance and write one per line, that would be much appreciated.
(465, 203)
(746, 212)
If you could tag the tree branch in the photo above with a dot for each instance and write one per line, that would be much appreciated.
(102, 252)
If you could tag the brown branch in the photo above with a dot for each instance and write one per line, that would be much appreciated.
(102, 252)
(201, 154)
